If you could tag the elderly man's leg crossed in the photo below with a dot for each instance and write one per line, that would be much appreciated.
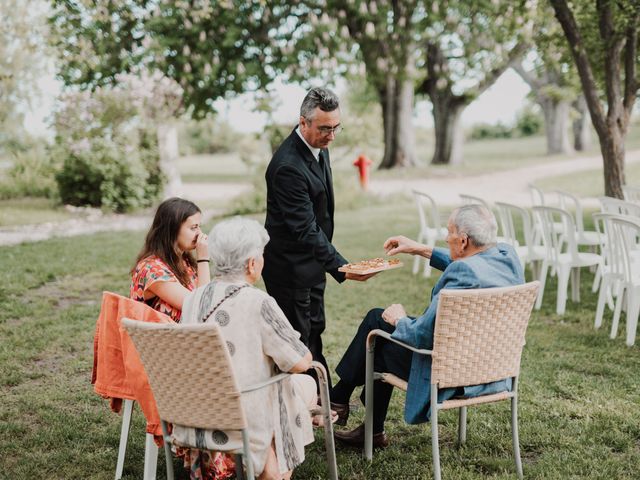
(389, 357)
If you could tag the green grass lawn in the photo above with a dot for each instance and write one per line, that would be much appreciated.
(26, 211)
(579, 396)
(591, 182)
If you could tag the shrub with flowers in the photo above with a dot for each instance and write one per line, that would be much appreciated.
(106, 142)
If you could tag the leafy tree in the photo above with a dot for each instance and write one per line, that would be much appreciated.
(211, 48)
(386, 34)
(554, 82)
(467, 47)
(603, 39)
(23, 35)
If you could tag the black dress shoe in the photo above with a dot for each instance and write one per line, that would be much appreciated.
(343, 412)
(355, 437)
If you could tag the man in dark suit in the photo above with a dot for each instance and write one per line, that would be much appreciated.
(300, 206)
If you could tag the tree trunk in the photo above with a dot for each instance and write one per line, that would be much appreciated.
(613, 151)
(447, 111)
(397, 109)
(167, 134)
(556, 123)
(581, 125)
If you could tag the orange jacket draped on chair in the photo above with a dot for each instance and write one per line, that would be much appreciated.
(117, 371)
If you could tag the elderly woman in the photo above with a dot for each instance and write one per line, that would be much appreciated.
(260, 341)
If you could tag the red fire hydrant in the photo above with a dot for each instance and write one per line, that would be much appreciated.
(363, 164)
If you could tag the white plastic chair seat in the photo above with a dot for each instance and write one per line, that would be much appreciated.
(566, 261)
(588, 238)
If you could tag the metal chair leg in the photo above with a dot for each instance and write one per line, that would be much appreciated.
(329, 441)
(462, 426)
(168, 456)
(247, 454)
(514, 429)
(435, 447)
(150, 457)
(124, 436)
(368, 401)
(239, 470)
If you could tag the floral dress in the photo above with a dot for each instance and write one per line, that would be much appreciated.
(151, 270)
(201, 464)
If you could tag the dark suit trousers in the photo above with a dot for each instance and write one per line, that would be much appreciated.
(389, 357)
(304, 308)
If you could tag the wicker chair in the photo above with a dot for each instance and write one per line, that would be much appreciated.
(197, 387)
(478, 338)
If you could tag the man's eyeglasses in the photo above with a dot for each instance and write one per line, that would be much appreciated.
(326, 131)
(329, 130)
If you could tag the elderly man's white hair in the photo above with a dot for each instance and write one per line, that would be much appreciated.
(478, 223)
(233, 242)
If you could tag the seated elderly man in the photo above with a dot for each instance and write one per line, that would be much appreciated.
(472, 261)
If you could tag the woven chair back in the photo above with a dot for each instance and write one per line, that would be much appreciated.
(479, 334)
(190, 374)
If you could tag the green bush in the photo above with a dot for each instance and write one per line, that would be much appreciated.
(107, 151)
(528, 122)
(31, 174)
(483, 131)
(207, 136)
(102, 176)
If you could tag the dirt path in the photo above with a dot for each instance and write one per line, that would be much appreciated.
(508, 186)
(93, 220)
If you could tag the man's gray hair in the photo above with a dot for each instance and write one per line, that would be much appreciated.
(478, 223)
(233, 242)
(318, 97)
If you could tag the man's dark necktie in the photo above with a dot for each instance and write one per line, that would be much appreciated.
(323, 167)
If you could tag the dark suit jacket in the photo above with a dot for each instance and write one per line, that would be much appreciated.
(299, 219)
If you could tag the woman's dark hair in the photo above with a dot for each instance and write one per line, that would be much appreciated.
(162, 236)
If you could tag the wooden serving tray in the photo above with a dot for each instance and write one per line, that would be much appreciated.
(366, 267)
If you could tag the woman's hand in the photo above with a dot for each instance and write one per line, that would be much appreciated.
(202, 247)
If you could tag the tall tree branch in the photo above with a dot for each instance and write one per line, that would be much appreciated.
(570, 28)
(489, 79)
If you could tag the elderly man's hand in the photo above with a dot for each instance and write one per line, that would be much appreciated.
(393, 313)
(402, 244)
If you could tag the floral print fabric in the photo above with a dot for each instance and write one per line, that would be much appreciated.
(151, 270)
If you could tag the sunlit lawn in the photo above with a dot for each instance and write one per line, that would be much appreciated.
(591, 182)
(580, 391)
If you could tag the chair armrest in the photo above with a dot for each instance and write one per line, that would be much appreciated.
(387, 336)
(272, 380)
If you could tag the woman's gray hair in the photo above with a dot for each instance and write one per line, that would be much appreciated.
(233, 242)
(318, 97)
(478, 223)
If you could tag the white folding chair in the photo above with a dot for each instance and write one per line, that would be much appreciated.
(631, 194)
(471, 200)
(626, 231)
(566, 261)
(612, 268)
(619, 207)
(528, 252)
(570, 203)
(430, 229)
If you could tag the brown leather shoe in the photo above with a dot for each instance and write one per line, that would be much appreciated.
(355, 437)
(343, 413)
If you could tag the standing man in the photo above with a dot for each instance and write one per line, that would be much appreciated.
(300, 207)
